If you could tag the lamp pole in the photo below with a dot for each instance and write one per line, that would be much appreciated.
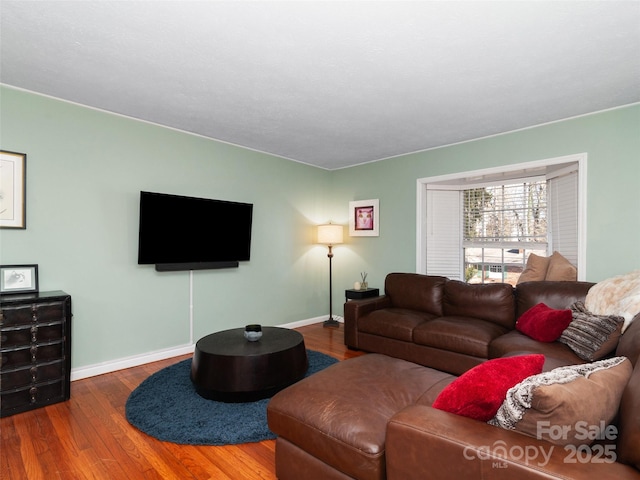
(331, 322)
(330, 235)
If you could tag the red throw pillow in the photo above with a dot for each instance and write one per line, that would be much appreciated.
(543, 323)
(479, 392)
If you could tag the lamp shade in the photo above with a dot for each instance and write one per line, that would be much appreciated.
(330, 234)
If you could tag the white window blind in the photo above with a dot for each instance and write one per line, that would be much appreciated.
(513, 215)
(444, 233)
(563, 215)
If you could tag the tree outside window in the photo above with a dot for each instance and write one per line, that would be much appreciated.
(502, 226)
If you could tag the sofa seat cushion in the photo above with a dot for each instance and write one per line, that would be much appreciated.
(396, 323)
(340, 415)
(556, 354)
(469, 336)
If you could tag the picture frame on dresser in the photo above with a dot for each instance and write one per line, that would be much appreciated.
(18, 279)
(13, 188)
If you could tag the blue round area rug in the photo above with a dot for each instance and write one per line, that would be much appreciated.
(166, 406)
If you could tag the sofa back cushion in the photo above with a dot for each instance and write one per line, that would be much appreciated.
(493, 302)
(414, 291)
(559, 295)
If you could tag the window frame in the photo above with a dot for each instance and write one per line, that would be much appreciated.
(506, 173)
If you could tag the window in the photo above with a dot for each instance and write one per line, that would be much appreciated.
(481, 226)
(502, 225)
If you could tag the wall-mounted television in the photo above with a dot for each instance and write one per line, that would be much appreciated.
(188, 233)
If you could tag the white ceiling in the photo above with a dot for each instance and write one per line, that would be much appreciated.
(334, 83)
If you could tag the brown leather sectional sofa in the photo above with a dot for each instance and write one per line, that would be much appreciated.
(371, 417)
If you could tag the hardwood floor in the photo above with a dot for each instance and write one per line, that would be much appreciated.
(88, 437)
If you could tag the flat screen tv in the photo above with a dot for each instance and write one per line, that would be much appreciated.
(188, 233)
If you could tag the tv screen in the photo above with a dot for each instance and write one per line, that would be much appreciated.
(187, 231)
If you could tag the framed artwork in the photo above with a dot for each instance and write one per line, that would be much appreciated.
(13, 212)
(18, 279)
(364, 218)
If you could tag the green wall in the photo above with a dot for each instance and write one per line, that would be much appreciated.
(85, 169)
(611, 140)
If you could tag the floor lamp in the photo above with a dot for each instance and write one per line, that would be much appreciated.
(330, 235)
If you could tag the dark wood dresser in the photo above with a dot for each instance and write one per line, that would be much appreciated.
(35, 345)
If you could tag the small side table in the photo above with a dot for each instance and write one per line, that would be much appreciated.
(360, 294)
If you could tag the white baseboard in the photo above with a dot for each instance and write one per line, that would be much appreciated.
(309, 321)
(144, 358)
(128, 362)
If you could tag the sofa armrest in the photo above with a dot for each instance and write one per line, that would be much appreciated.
(355, 309)
(425, 442)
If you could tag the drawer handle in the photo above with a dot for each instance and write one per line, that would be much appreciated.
(34, 373)
(33, 391)
(34, 334)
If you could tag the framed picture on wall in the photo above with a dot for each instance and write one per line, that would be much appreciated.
(364, 218)
(13, 212)
(18, 279)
